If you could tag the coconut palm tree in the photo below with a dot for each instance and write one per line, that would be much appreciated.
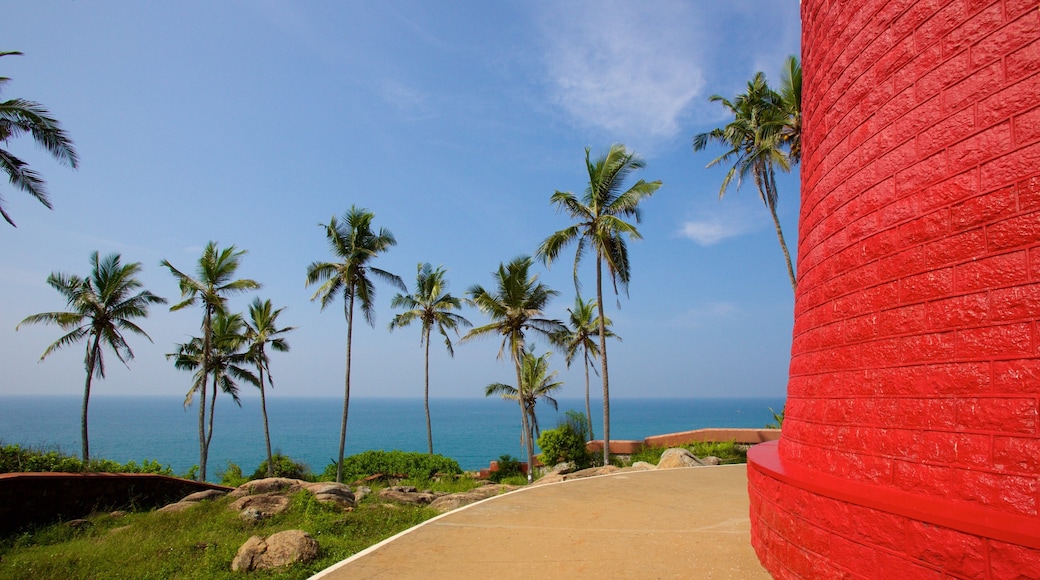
(579, 336)
(18, 117)
(515, 307)
(599, 226)
(432, 305)
(791, 103)
(536, 382)
(755, 141)
(227, 364)
(355, 244)
(212, 285)
(102, 308)
(262, 330)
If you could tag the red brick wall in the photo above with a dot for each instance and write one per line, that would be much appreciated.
(916, 355)
(914, 361)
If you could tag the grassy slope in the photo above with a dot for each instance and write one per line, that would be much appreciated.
(197, 543)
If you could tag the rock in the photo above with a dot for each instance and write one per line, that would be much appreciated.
(257, 507)
(204, 495)
(550, 478)
(336, 493)
(678, 457)
(593, 471)
(117, 514)
(562, 468)
(268, 485)
(642, 466)
(456, 500)
(404, 488)
(79, 523)
(178, 507)
(277, 550)
(406, 497)
(361, 492)
(711, 460)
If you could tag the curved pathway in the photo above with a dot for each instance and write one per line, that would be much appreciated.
(672, 523)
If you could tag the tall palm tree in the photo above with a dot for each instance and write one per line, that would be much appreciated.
(432, 305)
(262, 330)
(536, 382)
(18, 117)
(755, 140)
(599, 226)
(515, 308)
(355, 244)
(102, 307)
(227, 365)
(791, 103)
(212, 285)
(582, 330)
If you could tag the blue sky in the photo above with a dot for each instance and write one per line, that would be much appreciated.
(250, 122)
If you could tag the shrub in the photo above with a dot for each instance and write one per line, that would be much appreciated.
(15, 459)
(778, 418)
(563, 444)
(232, 476)
(285, 466)
(406, 464)
(508, 467)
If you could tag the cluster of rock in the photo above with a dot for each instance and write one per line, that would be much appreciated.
(442, 501)
(671, 458)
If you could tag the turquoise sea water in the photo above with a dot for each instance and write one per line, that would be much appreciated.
(472, 431)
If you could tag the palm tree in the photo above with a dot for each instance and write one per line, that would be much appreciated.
(262, 330)
(432, 305)
(102, 307)
(791, 103)
(515, 307)
(355, 244)
(536, 382)
(600, 227)
(213, 284)
(227, 361)
(755, 140)
(580, 336)
(18, 117)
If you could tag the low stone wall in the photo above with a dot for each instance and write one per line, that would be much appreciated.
(628, 447)
(42, 498)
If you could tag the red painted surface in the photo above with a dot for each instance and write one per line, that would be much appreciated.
(915, 369)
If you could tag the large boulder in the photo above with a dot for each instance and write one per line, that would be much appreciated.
(258, 507)
(678, 457)
(409, 497)
(335, 493)
(269, 485)
(456, 500)
(277, 550)
(642, 466)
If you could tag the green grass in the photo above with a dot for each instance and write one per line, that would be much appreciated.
(197, 543)
(727, 451)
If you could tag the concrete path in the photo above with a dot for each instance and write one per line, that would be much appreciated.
(674, 523)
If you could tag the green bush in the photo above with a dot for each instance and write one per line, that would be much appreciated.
(406, 464)
(285, 466)
(563, 444)
(15, 459)
(232, 476)
(508, 467)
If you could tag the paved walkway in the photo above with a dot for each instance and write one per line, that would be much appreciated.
(673, 523)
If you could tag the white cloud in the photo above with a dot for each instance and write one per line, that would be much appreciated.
(626, 69)
(710, 232)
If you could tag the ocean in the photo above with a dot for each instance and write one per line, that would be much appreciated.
(471, 431)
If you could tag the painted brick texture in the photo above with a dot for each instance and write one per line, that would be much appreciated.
(916, 352)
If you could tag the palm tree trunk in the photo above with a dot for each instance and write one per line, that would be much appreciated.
(603, 361)
(771, 186)
(588, 407)
(525, 429)
(207, 329)
(263, 412)
(212, 410)
(91, 362)
(429, 429)
(346, 390)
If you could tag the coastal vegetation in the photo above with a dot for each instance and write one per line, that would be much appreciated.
(262, 331)
(765, 134)
(355, 244)
(17, 459)
(213, 284)
(102, 309)
(536, 382)
(431, 305)
(515, 308)
(19, 117)
(566, 443)
(579, 336)
(600, 227)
